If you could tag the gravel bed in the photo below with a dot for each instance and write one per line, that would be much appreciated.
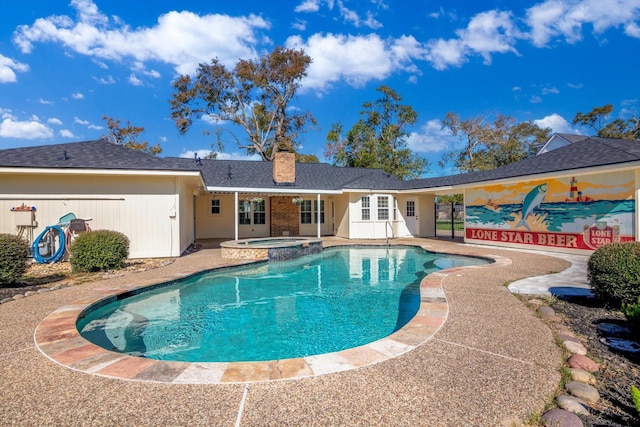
(619, 372)
(46, 276)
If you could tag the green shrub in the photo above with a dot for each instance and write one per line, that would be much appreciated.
(99, 250)
(635, 396)
(614, 273)
(632, 313)
(14, 254)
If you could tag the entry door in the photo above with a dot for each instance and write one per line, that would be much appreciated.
(411, 216)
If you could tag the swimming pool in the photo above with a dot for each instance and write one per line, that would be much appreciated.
(339, 299)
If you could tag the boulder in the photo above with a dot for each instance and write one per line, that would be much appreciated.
(561, 418)
(583, 391)
(573, 404)
(575, 347)
(582, 376)
(583, 362)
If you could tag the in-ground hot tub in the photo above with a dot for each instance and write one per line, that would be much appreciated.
(273, 248)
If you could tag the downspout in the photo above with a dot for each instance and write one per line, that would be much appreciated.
(318, 214)
(236, 213)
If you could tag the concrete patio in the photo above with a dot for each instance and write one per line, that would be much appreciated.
(492, 363)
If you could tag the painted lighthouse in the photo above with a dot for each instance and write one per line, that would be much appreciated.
(575, 195)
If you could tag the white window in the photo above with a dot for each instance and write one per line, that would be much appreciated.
(215, 206)
(383, 208)
(366, 208)
(259, 214)
(306, 213)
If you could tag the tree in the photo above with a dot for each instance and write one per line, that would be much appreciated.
(489, 145)
(254, 95)
(619, 128)
(378, 139)
(128, 136)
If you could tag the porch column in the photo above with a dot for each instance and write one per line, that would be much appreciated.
(318, 214)
(235, 212)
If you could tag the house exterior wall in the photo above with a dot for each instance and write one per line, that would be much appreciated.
(342, 212)
(383, 219)
(282, 216)
(568, 213)
(149, 210)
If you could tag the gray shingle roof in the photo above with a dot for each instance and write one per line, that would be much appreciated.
(309, 176)
(99, 154)
(584, 153)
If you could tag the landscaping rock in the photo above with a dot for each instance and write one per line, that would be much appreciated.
(561, 418)
(575, 347)
(583, 391)
(19, 296)
(583, 362)
(622, 345)
(29, 293)
(573, 404)
(43, 290)
(564, 336)
(613, 330)
(535, 302)
(6, 300)
(582, 376)
(548, 313)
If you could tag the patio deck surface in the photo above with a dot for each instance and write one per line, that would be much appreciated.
(491, 363)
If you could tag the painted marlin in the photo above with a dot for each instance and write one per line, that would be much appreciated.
(531, 201)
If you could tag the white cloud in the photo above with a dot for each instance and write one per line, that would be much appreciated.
(11, 127)
(354, 59)
(552, 90)
(308, 6)
(109, 80)
(8, 68)
(353, 18)
(86, 123)
(66, 133)
(182, 39)
(134, 80)
(556, 123)
(55, 121)
(45, 102)
(565, 19)
(632, 30)
(535, 99)
(431, 138)
(77, 95)
(487, 33)
(299, 25)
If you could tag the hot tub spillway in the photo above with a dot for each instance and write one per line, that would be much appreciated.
(272, 248)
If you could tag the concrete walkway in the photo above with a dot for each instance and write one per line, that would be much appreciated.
(492, 363)
(568, 283)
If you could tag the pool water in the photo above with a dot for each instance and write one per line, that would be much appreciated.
(342, 298)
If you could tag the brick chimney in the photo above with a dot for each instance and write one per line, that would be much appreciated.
(284, 167)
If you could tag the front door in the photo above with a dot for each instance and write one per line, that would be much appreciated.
(411, 216)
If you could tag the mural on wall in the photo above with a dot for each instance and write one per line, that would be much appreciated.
(566, 212)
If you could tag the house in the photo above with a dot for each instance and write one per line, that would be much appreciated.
(574, 196)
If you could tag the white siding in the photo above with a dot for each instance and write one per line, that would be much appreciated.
(147, 209)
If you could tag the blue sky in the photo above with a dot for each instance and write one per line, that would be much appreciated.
(64, 65)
